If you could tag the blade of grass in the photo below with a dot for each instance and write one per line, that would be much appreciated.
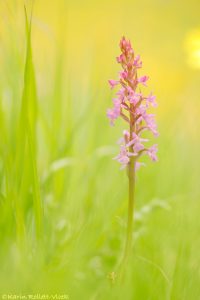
(26, 160)
(30, 98)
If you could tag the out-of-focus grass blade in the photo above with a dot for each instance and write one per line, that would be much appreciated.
(26, 146)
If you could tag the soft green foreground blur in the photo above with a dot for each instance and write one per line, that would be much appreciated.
(63, 200)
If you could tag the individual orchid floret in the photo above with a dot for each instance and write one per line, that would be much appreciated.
(151, 99)
(137, 63)
(124, 75)
(113, 114)
(123, 157)
(134, 97)
(137, 143)
(143, 80)
(113, 83)
(152, 152)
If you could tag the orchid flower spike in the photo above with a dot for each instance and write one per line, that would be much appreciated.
(132, 105)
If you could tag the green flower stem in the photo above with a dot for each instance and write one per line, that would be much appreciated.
(131, 175)
(131, 178)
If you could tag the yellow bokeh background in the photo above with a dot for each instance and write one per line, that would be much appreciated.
(86, 34)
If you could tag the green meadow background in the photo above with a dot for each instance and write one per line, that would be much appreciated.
(63, 200)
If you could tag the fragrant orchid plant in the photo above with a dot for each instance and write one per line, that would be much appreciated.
(132, 105)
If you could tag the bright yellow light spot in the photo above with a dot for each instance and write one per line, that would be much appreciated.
(192, 46)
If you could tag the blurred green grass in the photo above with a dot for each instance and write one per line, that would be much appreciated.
(83, 194)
